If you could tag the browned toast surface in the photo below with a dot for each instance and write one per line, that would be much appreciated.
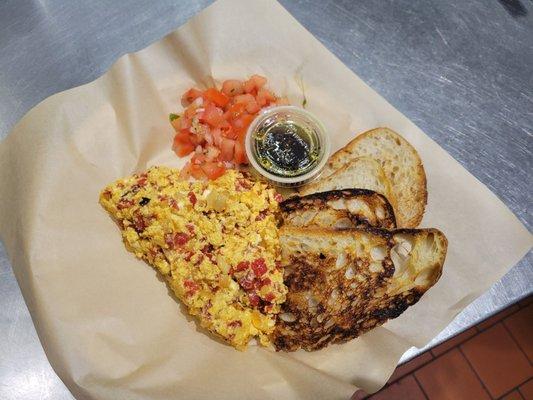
(402, 167)
(344, 283)
(349, 208)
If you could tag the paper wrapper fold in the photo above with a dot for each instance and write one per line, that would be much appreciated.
(108, 325)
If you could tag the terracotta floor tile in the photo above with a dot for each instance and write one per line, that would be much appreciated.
(497, 359)
(497, 317)
(527, 390)
(456, 340)
(449, 377)
(514, 395)
(525, 302)
(520, 325)
(405, 389)
(410, 366)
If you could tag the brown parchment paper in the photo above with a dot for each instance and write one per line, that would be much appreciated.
(109, 327)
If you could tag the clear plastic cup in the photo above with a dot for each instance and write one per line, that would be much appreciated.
(287, 116)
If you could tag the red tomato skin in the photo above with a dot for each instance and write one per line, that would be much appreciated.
(190, 95)
(215, 96)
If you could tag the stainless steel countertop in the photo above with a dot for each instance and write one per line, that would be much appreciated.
(461, 70)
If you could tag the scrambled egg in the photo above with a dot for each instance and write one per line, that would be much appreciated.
(216, 244)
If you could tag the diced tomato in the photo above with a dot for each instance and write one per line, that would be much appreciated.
(249, 86)
(208, 249)
(213, 115)
(198, 159)
(270, 297)
(259, 283)
(259, 267)
(212, 153)
(190, 111)
(278, 197)
(125, 203)
(142, 180)
(183, 137)
(227, 147)
(190, 95)
(254, 299)
(181, 238)
(241, 266)
(176, 239)
(173, 203)
(218, 98)
(197, 172)
(185, 172)
(227, 130)
(265, 282)
(264, 97)
(247, 282)
(235, 111)
(243, 122)
(216, 133)
(240, 154)
(192, 198)
(252, 107)
(244, 98)
(183, 149)
(259, 81)
(190, 286)
(232, 87)
(185, 122)
(255, 83)
(139, 222)
(215, 122)
(188, 255)
(213, 170)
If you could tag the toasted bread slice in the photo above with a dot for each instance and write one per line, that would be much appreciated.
(348, 208)
(344, 283)
(402, 166)
(357, 173)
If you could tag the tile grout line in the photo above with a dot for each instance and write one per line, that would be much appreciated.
(517, 388)
(500, 320)
(457, 345)
(475, 372)
(419, 385)
(516, 342)
(522, 384)
(433, 358)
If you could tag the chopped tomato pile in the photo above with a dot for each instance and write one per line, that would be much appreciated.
(214, 123)
(250, 278)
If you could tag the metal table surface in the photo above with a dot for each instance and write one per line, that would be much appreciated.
(461, 70)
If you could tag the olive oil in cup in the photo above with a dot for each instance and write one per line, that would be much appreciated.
(287, 145)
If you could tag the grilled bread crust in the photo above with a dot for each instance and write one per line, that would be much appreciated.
(343, 283)
(348, 208)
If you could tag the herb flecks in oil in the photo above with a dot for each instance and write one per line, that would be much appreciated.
(285, 148)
